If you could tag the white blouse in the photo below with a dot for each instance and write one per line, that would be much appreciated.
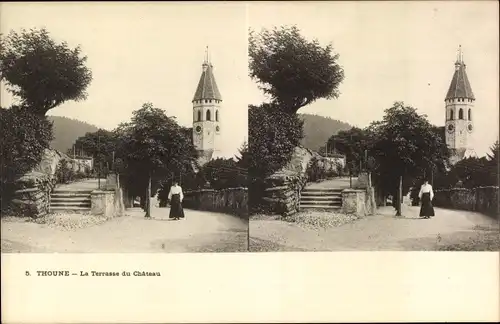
(174, 190)
(425, 188)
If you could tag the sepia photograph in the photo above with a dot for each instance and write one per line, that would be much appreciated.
(373, 126)
(196, 152)
(124, 127)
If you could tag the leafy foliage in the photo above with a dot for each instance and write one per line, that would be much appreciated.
(100, 145)
(152, 145)
(41, 72)
(24, 138)
(352, 143)
(224, 173)
(317, 171)
(64, 174)
(471, 172)
(292, 70)
(406, 145)
(273, 135)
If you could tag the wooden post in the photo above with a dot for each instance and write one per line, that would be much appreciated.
(148, 197)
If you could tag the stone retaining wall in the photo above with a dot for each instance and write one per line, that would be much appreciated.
(481, 199)
(32, 195)
(232, 201)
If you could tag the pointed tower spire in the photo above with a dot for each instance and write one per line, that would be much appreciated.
(460, 86)
(207, 87)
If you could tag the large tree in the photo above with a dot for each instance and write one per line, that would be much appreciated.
(151, 148)
(42, 72)
(292, 70)
(405, 145)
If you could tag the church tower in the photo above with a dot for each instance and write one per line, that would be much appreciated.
(206, 113)
(459, 114)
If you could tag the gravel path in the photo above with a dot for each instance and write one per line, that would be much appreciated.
(383, 232)
(198, 232)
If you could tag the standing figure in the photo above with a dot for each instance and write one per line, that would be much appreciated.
(175, 196)
(426, 195)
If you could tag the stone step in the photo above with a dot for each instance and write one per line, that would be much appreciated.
(327, 207)
(70, 195)
(70, 204)
(321, 198)
(324, 189)
(325, 203)
(70, 198)
(69, 209)
(320, 194)
(72, 191)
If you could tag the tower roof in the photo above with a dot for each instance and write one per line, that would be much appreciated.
(460, 86)
(207, 87)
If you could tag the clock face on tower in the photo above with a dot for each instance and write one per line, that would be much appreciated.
(451, 128)
(217, 129)
(198, 129)
(469, 127)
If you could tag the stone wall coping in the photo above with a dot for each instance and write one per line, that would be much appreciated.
(27, 190)
(101, 192)
(466, 189)
(352, 190)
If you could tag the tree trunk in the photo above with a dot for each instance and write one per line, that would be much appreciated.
(148, 197)
(399, 196)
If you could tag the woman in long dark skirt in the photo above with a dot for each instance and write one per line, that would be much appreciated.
(176, 196)
(426, 195)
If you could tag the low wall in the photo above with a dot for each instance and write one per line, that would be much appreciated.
(108, 203)
(359, 202)
(282, 189)
(481, 199)
(231, 201)
(282, 193)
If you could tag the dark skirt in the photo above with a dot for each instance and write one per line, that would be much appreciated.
(426, 210)
(176, 210)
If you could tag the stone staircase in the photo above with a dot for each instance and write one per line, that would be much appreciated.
(70, 200)
(321, 198)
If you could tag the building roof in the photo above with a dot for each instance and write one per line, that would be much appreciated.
(207, 87)
(460, 86)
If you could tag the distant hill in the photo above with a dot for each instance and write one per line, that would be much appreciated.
(318, 129)
(67, 130)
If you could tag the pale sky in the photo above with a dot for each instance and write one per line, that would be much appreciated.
(390, 51)
(399, 51)
(148, 52)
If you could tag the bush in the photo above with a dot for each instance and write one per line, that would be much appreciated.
(24, 138)
(273, 137)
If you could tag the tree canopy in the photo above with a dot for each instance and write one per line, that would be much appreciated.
(152, 146)
(42, 72)
(292, 70)
(100, 145)
(352, 143)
